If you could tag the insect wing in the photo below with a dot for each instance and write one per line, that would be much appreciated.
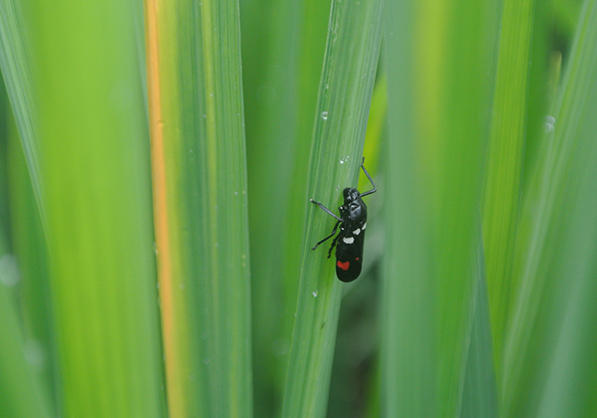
(349, 255)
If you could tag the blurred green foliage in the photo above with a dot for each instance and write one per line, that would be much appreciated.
(119, 142)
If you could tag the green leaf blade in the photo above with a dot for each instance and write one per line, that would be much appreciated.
(95, 196)
(200, 189)
(345, 90)
(440, 62)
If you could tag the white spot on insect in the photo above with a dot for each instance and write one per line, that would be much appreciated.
(356, 231)
(324, 115)
(314, 294)
(348, 240)
(364, 226)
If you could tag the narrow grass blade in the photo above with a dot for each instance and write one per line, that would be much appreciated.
(350, 62)
(568, 381)
(29, 247)
(406, 339)
(21, 393)
(553, 310)
(271, 39)
(479, 392)
(505, 159)
(440, 59)
(15, 57)
(200, 201)
(96, 198)
(31, 336)
(283, 47)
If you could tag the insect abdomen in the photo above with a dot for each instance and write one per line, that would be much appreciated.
(349, 256)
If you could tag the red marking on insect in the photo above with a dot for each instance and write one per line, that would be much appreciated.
(344, 266)
(357, 258)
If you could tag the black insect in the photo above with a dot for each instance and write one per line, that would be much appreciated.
(350, 239)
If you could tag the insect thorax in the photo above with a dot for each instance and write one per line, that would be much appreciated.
(350, 195)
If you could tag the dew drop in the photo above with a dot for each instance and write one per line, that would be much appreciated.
(9, 271)
(324, 115)
(548, 126)
(34, 353)
(314, 294)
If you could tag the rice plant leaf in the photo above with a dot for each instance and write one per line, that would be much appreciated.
(21, 393)
(15, 56)
(29, 247)
(440, 66)
(505, 158)
(479, 393)
(96, 201)
(345, 89)
(200, 201)
(283, 46)
(554, 262)
(28, 372)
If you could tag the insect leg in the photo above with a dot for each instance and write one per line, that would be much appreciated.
(334, 242)
(369, 177)
(326, 209)
(330, 236)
